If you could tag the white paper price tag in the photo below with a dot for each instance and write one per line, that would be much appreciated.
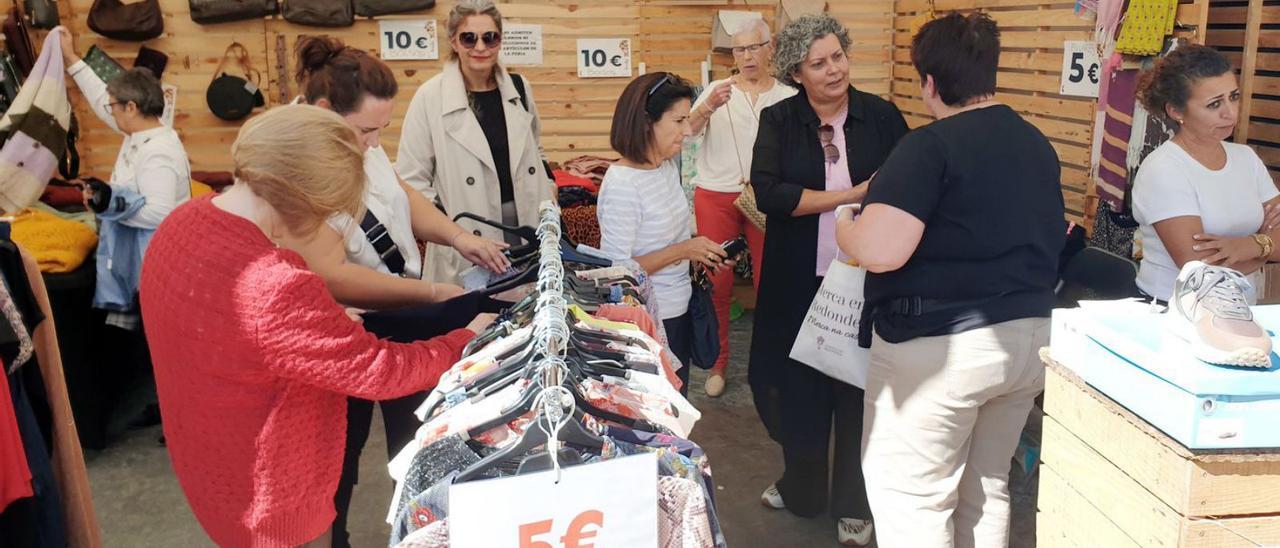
(611, 503)
(404, 39)
(522, 44)
(1081, 70)
(604, 58)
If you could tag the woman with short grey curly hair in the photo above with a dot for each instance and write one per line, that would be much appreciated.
(812, 154)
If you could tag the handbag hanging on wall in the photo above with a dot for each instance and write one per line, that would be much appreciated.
(374, 8)
(43, 13)
(136, 22)
(232, 98)
(17, 39)
(319, 13)
(207, 12)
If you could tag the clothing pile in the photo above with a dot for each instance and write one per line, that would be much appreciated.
(577, 198)
(484, 418)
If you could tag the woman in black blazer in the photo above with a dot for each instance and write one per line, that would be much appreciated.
(798, 181)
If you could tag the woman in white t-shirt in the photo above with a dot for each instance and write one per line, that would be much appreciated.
(642, 209)
(727, 116)
(1197, 197)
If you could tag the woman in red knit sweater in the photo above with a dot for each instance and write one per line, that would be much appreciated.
(253, 357)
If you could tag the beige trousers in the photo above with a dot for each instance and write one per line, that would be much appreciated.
(943, 417)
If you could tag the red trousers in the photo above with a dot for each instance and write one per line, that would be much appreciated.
(720, 221)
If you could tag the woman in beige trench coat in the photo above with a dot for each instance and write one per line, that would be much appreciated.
(446, 152)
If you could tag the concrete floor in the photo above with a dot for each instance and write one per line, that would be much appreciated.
(139, 502)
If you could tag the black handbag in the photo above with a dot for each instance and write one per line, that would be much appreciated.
(233, 98)
(208, 12)
(132, 22)
(374, 8)
(154, 60)
(43, 13)
(702, 316)
(319, 13)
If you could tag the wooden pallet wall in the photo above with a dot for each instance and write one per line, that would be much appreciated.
(576, 113)
(1032, 33)
(1249, 33)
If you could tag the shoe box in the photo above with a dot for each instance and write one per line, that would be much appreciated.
(1129, 355)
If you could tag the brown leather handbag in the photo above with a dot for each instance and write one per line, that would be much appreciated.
(137, 22)
(319, 13)
(222, 11)
(374, 8)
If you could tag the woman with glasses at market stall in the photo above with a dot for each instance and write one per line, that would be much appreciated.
(471, 139)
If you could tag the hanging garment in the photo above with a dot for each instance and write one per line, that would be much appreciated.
(15, 473)
(120, 251)
(1113, 172)
(20, 349)
(35, 130)
(37, 521)
(1145, 25)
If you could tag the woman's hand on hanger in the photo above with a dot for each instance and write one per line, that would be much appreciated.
(481, 322)
(482, 251)
(69, 56)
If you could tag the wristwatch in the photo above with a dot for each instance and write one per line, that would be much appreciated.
(1266, 243)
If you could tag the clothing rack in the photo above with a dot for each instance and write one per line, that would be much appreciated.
(555, 404)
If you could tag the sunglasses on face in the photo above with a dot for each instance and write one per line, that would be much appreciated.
(827, 134)
(470, 39)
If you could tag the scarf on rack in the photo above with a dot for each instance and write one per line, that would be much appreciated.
(35, 130)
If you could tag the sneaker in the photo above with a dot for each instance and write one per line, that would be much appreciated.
(772, 498)
(854, 532)
(715, 385)
(1210, 310)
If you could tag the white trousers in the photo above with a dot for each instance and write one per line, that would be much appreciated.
(943, 416)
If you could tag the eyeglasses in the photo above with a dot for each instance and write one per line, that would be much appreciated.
(826, 134)
(665, 78)
(470, 39)
(109, 104)
(739, 50)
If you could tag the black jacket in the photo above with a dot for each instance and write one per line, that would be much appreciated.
(787, 159)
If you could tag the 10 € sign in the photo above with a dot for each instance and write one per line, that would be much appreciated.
(606, 504)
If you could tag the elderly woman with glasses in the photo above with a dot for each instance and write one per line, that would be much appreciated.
(471, 139)
(813, 153)
(727, 116)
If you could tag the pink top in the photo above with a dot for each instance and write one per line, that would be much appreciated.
(837, 179)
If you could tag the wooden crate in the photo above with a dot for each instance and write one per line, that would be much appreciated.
(1110, 479)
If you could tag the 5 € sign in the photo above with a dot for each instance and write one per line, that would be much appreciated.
(1081, 69)
(600, 505)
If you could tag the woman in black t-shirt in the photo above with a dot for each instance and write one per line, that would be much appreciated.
(960, 231)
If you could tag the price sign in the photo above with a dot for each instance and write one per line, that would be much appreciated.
(403, 39)
(604, 58)
(533, 511)
(1081, 70)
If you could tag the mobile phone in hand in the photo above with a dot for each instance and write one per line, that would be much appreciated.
(735, 247)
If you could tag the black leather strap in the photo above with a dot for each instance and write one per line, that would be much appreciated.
(386, 248)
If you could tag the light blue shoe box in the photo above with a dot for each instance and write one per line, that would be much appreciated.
(1137, 363)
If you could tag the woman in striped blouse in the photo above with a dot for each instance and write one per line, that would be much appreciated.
(642, 208)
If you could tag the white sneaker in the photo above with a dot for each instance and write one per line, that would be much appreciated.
(1210, 309)
(854, 532)
(771, 498)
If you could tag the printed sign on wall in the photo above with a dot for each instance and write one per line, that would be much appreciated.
(402, 39)
(1081, 69)
(604, 58)
(522, 44)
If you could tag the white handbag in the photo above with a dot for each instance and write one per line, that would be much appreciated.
(828, 338)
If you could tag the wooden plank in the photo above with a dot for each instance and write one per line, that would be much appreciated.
(1248, 70)
(1142, 516)
(1068, 519)
(1197, 487)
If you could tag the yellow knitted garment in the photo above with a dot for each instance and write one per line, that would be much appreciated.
(199, 189)
(58, 245)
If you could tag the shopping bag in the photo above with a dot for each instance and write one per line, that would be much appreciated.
(828, 338)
